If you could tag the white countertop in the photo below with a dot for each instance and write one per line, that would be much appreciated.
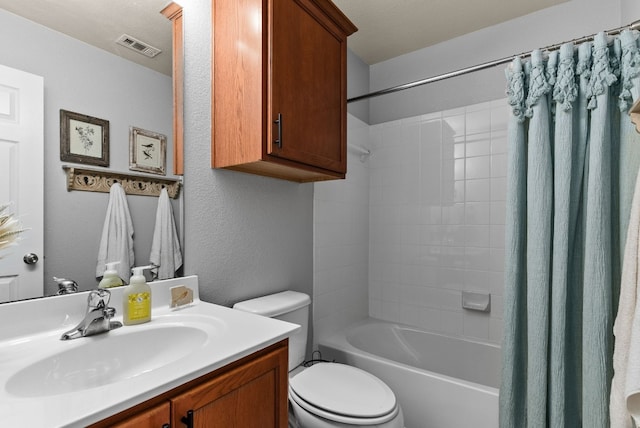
(30, 331)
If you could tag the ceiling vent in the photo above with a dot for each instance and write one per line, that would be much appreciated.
(138, 46)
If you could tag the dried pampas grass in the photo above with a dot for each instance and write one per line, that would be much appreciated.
(10, 228)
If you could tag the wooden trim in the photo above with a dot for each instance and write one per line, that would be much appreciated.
(94, 180)
(173, 11)
(336, 15)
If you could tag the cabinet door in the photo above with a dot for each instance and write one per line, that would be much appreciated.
(253, 395)
(156, 417)
(308, 86)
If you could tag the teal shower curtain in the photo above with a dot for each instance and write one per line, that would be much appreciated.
(567, 208)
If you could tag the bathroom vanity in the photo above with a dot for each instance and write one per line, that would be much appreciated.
(201, 365)
(251, 392)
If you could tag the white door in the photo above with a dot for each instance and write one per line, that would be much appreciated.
(21, 180)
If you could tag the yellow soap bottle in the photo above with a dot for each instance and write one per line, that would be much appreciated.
(136, 300)
(110, 277)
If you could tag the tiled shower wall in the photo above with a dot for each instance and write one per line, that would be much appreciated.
(416, 223)
(436, 219)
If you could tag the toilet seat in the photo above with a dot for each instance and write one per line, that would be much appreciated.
(344, 394)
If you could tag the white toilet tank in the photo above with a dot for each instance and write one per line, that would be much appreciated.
(290, 306)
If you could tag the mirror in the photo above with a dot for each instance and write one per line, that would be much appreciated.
(102, 83)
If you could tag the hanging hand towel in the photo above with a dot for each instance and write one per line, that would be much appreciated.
(116, 243)
(625, 385)
(165, 249)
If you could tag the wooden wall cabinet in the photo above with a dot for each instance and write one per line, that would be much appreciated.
(249, 393)
(279, 73)
(173, 11)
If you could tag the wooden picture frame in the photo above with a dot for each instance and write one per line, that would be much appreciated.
(84, 139)
(147, 151)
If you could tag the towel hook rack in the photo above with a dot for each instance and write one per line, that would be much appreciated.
(95, 180)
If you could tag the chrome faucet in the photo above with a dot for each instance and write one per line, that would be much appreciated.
(97, 319)
(66, 286)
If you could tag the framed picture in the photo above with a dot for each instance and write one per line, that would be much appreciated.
(147, 151)
(84, 139)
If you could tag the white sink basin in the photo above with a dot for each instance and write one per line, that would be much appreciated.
(102, 359)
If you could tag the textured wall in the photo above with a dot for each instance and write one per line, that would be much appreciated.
(245, 235)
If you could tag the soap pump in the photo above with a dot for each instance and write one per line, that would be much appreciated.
(110, 277)
(136, 299)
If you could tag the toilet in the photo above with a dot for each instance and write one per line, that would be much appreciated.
(326, 395)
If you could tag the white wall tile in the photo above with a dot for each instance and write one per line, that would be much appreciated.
(476, 325)
(497, 236)
(433, 224)
(477, 213)
(478, 145)
(451, 323)
(478, 167)
(478, 190)
(459, 150)
(477, 280)
(453, 125)
(500, 115)
(498, 212)
(499, 189)
(477, 236)
(499, 165)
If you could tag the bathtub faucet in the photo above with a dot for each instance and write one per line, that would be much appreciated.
(97, 320)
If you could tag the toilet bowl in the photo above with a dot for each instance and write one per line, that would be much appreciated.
(326, 395)
(336, 395)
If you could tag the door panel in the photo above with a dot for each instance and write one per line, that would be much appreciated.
(21, 179)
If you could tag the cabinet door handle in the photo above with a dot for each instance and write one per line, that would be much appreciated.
(278, 121)
(166, 426)
(188, 420)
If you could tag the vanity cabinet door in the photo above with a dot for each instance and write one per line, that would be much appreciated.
(252, 395)
(155, 417)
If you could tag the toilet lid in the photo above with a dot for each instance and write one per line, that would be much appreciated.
(344, 390)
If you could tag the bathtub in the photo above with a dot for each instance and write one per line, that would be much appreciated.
(440, 382)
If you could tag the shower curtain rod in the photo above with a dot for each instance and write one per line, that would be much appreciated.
(633, 26)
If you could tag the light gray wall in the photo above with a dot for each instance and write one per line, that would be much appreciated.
(87, 80)
(630, 11)
(566, 21)
(357, 84)
(245, 235)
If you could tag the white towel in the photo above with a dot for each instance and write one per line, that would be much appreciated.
(165, 249)
(626, 353)
(116, 243)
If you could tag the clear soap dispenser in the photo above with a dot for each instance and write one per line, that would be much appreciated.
(136, 299)
(110, 278)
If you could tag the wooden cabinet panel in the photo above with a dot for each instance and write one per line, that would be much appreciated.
(279, 88)
(156, 417)
(308, 86)
(246, 397)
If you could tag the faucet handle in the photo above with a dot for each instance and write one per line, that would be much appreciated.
(98, 299)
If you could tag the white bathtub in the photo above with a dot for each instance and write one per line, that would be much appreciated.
(441, 382)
